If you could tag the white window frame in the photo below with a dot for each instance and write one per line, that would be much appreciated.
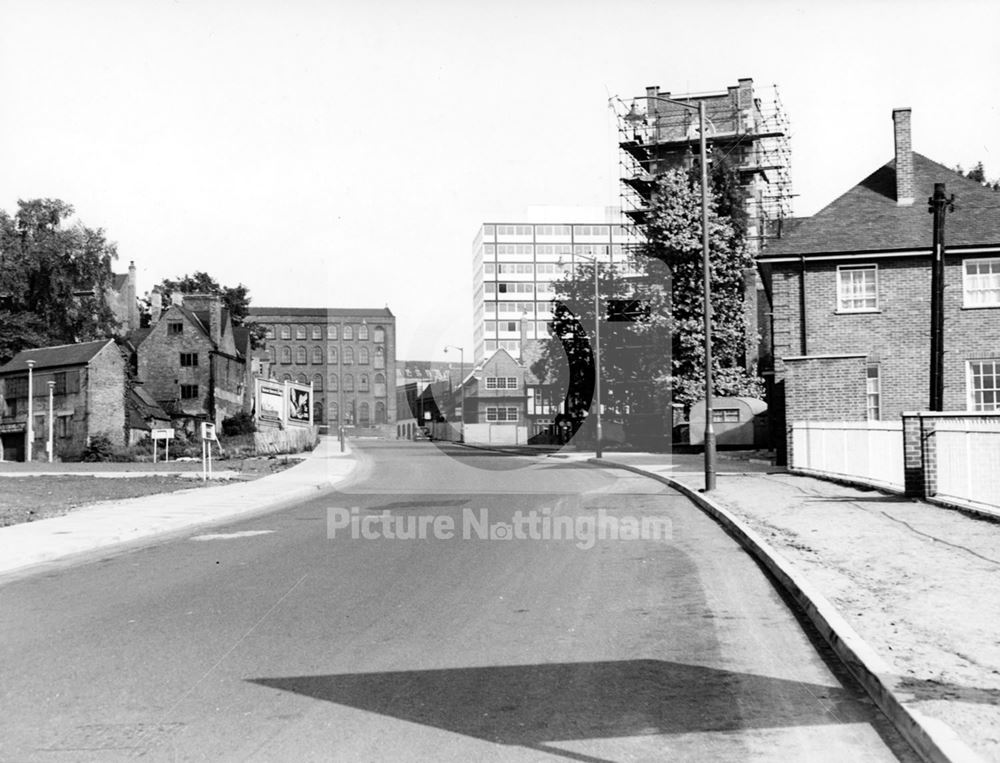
(993, 264)
(501, 413)
(873, 392)
(842, 297)
(995, 389)
(501, 382)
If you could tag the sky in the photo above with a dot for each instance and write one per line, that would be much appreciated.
(344, 154)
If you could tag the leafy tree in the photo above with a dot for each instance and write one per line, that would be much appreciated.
(236, 299)
(658, 359)
(978, 173)
(54, 278)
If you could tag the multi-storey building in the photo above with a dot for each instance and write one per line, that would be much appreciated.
(349, 356)
(514, 267)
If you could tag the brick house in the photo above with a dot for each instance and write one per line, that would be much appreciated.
(89, 398)
(494, 393)
(193, 362)
(850, 294)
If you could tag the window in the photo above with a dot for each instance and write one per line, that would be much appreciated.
(317, 355)
(379, 357)
(286, 354)
(300, 332)
(331, 353)
(363, 356)
(363, 383)
(175, 328)
(272, 355)
(301, 355)
(318, 382)
(333, 382)
(363, 332)
(379, 386)
(317, 412)
(270, 332)
(316, 332)
(301, 379)
(334, 413)
(63, 426)
(60, 380)
(348, 333)
(379, 335)
(380, 417)
(189, 359)
(286, 332)
(873, 391)
(981, 283)
(857, 288)
(332, 331)
(348, 383)
(501, 382)
(984, 385)
(189, 392)
(348, 355)
(364, 415)
(725, 415)
(501, 414)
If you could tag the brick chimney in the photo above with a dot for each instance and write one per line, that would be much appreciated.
(652, 105)
(155, 306)
(132, 306)
(904, 157)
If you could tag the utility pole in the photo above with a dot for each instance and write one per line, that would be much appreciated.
(707, 292)
(938, 205)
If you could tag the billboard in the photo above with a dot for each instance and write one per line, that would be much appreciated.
(298, 399)
(270, 401)
(284, 402)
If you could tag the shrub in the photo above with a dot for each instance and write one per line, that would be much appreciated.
(100, 448)
(238, 423)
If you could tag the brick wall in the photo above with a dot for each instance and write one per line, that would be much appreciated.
(105, 394)
(823, 389)
(897, 338)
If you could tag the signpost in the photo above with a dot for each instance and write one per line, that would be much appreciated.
(161, 434)
(207, 438)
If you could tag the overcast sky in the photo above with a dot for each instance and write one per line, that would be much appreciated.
(343, 154)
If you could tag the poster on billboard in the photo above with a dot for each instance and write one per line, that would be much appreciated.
(270, 401)
(299, 401)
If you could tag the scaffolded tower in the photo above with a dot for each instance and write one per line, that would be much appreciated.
(751, 133)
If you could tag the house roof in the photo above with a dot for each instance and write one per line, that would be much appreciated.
(142, 408)
(241, 337)
(320, 312)
(868, 219)
(59, 355)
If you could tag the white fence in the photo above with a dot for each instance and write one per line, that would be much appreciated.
(968, 461)
(496, 434)
(866, 451)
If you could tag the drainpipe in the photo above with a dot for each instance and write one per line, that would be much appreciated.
(802, 305)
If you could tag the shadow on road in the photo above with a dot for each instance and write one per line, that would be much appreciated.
(536, 705)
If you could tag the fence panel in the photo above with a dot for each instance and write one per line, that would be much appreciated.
(869, 451)
(968, 461)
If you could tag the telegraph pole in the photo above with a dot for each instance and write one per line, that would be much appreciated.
(938, 205)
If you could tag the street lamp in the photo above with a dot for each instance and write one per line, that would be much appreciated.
(599, 432)
(52, 386)
(461, 384)
(29, 430)
(706, 279)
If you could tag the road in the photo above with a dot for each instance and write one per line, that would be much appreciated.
(268, 639)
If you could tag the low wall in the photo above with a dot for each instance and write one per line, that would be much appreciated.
(496, 434)
(290, 440)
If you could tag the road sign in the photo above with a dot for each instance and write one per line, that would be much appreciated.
(208, 431)
(161, 434)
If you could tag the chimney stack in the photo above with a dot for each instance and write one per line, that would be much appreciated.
(652, 105)
(904, 157)
(211, 304)
(155, 306)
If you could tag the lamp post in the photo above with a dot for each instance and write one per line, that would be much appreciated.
(598, 431)
(706, 279)
(461, 385)
(29, 429)
(49, 446)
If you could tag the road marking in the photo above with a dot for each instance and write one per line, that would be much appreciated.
(230, 536)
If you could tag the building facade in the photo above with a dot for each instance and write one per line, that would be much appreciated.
(850, 291)
(348, 355)
(89, 393)
(514, 267)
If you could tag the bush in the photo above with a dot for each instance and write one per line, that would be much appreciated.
(239, 423)
(100, 448)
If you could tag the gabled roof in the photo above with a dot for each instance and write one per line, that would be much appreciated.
(59, 355)
(142, 408)
(868, 219)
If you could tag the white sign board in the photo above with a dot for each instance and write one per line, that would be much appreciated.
(162, 434)
(208, 431)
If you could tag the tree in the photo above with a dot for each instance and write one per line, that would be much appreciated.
(54, 278)
(978, 173)
(236, 299)
(659, 357)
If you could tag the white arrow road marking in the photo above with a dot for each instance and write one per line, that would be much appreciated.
(229, 536)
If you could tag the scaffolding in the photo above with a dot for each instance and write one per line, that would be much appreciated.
(748, 131)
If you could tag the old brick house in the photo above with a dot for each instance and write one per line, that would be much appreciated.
(850, 292)
(88, 398)
(193, 362)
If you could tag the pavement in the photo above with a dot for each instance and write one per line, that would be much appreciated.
(116, 525)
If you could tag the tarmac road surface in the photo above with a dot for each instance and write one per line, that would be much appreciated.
(267, 639)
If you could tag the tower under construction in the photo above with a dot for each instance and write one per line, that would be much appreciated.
(659, 132)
